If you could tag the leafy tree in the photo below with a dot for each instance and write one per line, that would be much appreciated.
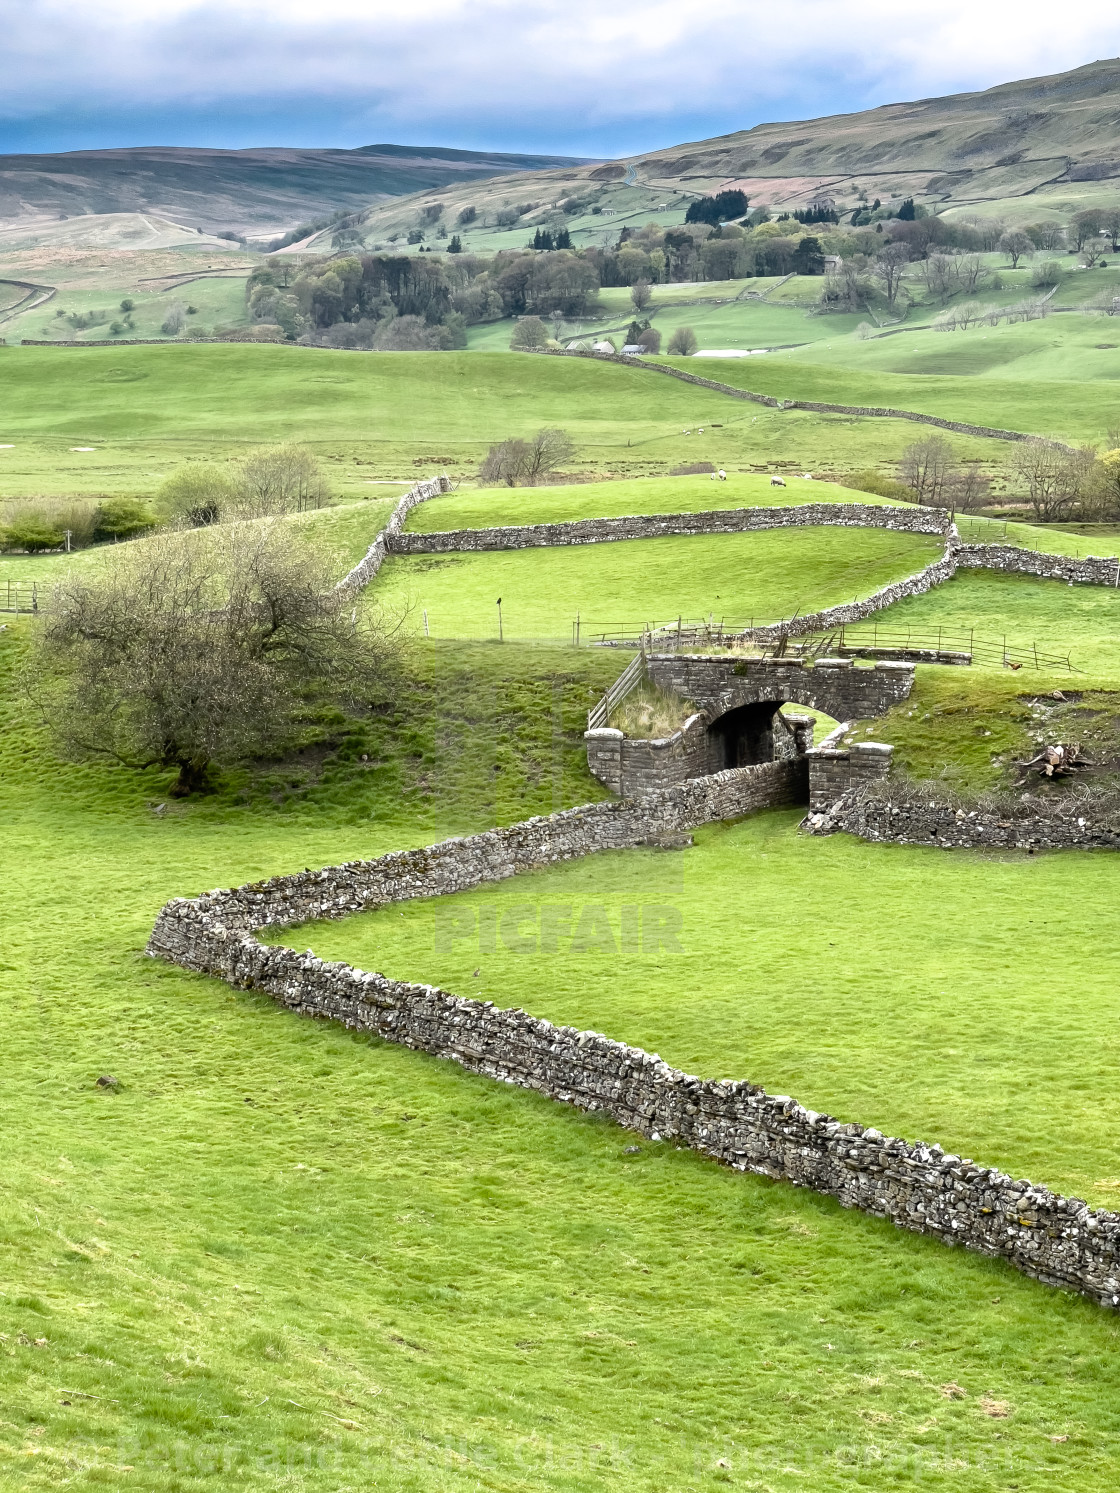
(529, 333)
(683, 343)
(203, 649)
(128, 304)
(640, 295)
(907, 212)
(650, 339)
(279, 479)
(197, 494)
(415, 236)
(1015, 244)
(467, 215)
(456, 244)
(717, 209)
(122, 518)
(808, 258)
(563, 239)
(1087, 224)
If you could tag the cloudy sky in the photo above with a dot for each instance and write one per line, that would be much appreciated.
(580, 77)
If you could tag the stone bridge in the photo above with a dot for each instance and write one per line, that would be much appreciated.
(739, 720)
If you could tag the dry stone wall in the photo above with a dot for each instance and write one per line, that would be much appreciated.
(658, 525)
(1094, 570)
(917, 1186)
(906, 815)
(373, 559)
(876, 411)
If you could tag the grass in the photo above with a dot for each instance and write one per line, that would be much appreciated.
(145, 410)
(1051, 406)
(890, 1047)
(285, 1255)
(622, 586)
(1081, 620)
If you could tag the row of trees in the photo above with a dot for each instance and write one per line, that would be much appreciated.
(1057, 481)
(270, 481)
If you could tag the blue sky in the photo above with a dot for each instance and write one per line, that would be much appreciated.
(578, 77)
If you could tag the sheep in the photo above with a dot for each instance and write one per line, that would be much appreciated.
(777, 482)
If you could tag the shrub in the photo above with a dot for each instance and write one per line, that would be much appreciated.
(122, 518)
(683, 343)
(202, 648)
(872, 481)
(198, 494)
(515, 462)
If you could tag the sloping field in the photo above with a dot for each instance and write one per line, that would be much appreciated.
(146, 409)
(622, 586)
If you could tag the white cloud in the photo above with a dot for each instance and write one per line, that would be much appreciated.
(489, 64)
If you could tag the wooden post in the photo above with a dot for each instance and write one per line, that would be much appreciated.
(501, 639)
(426, 632)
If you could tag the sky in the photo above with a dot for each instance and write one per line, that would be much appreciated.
(571, 77)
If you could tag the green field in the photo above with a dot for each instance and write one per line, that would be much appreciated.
(145, 410)
(622, 586)
(482, 507)
(287, 1256)
(285, 1252)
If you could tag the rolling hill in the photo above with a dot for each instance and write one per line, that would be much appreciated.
(259, 193)
(1020, 150)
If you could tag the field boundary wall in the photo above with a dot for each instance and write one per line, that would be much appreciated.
(961, 427)
(373, 559)
(658, 525)
(905, 815)
(1058, 1240)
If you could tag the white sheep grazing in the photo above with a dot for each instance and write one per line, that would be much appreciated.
(777, 482)
(722, 475)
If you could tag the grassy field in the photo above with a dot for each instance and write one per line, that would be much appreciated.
(282, 1255)
(145, 410)
(622, 586)
(886, 1046)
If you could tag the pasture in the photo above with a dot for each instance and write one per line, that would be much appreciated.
(283, 1255)
(283, 1251)
(620, 587)
(145, 410)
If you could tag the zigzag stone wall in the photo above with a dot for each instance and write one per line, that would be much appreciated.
(917, 1186)
(658, 525)
(962, 427)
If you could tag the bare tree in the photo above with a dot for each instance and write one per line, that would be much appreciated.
(1056, 478)
(279, 479)
(926, 467)
(969, 267)
(1016, 245)
(204, 648)
(968, 488)
(683, 343)
(938, 272)
(640, 295)
(1091, 251)
(518, 463)
(1111, 225)
(548, 449)
(889, 267)
(504, 464)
